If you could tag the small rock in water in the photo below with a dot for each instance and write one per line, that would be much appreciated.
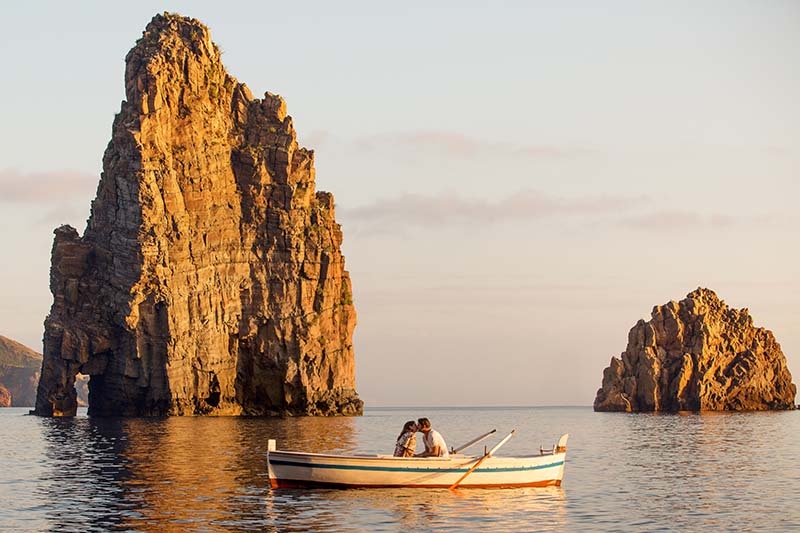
(698, 354)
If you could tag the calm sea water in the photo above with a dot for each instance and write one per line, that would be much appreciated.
(641, 472)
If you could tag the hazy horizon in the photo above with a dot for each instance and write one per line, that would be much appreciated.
(517, 185)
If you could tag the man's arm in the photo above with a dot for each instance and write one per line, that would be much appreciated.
(436, 451)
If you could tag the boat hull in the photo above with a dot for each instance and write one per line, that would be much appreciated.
(297, 470)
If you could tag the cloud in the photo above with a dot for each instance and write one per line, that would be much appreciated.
(448, 208)
(444, 143)
(316, 139)
(680, 220)
(46, 187)
(413, 210)
(63, 214)
(675, 219)
(448, 142)
(457, 144)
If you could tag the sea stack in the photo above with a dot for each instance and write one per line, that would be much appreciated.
(209, 279)
(695, 355)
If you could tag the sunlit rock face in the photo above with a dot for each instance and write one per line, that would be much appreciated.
(697, 354)
(209, 279)
(19, 374)
(5, 397)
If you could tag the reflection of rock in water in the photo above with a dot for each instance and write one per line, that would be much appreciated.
(85, 460)
(183, 474)
(317, 434)
(219, 464)
(175, 474)
(194, 455)
(496, 510)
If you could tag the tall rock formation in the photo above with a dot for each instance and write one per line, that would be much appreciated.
(209, 279)
(697, 354)
(19, 374)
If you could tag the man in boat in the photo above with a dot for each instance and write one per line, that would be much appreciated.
(433, 440)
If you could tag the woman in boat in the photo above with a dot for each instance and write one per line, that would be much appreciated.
(407, 441)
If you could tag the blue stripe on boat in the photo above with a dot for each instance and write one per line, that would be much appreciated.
(406, 469)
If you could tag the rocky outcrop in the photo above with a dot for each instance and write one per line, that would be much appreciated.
(5, 397)
(209, 279)
(697, 354)
(19, 373)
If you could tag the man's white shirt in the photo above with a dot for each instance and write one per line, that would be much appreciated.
(434, 438)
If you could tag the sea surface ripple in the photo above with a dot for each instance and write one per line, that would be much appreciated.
(625, 472)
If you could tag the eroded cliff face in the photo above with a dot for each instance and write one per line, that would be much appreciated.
(209, 279)
(697, 354)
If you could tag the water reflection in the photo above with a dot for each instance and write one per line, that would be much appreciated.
(181, 473)
(210, 474)
(624, 472)
(497, 510)
(78, 454)
(707, 470)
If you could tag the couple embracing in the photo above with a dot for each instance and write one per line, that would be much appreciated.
(433, 440)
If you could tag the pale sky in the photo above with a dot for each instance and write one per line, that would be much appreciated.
(518, 182)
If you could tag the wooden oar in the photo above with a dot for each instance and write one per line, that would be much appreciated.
(482, 459)
(473, 441)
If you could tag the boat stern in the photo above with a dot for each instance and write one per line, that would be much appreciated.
(273, 480)
(561, 448)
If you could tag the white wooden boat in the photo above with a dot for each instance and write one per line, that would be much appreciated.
(289, 469)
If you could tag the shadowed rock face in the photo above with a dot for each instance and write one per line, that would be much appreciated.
(697, 354)
(209, 279)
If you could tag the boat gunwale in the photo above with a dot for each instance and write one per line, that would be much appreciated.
(379, 457)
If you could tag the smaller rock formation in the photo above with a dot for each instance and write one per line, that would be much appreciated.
(19, 374)
(698, 354)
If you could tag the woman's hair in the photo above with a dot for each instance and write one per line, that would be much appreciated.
(407, 427)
